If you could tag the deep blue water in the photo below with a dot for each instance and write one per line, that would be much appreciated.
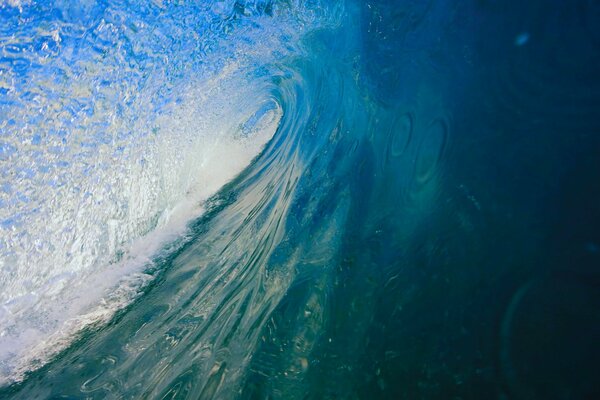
(423, 221)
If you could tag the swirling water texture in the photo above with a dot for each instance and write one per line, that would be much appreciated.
(118, 120)
(426, 210)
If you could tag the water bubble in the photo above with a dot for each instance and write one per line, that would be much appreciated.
(521, 39)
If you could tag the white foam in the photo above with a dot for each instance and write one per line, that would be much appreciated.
(83, 212)
(97, 268)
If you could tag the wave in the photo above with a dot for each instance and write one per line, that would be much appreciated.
(118, 124)
(284, 199)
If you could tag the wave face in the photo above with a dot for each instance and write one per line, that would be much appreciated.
(406, 199)
(118, 121)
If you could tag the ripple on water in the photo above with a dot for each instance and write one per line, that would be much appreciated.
(431, 150)
(401, 134)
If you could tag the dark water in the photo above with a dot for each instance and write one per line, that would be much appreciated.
(425, 224)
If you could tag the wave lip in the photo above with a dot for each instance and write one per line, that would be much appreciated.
(68, 301)
(120, 123)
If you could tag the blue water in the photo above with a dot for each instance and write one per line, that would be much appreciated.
(284, 199)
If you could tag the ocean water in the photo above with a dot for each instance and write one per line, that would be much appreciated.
(266, 199)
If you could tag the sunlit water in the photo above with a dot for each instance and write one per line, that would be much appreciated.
(284, 199)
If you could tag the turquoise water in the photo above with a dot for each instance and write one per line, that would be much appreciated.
(263, 199)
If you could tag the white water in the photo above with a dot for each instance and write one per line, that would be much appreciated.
(83, 252)
(116, 124)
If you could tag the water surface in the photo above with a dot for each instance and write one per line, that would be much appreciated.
(349, 199)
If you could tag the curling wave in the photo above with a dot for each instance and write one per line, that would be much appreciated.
(118, 123)
(284, 199)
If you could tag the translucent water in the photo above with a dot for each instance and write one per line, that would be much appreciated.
(113, 134)
(281, 199)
